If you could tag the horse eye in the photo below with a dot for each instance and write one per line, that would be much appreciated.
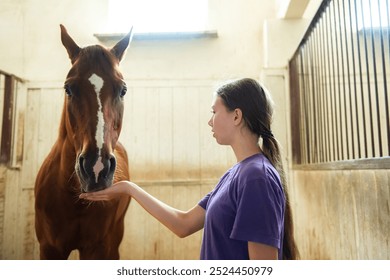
(123, 91)
(68, 90)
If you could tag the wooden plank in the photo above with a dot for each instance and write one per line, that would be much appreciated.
(152, 239)
(165, 140)
(206, 140)
(150, 139)
(3, 178)
(30, 157)
(179, 202)
(138, 133)
(48, 126)
(30, 243)
(355, 220)
(180, 136)
(126, 132)
(366, 199)
(192, 133)
(341, 193)
(166, 237)
(382, 183)
(18, 129)
(193, 241)
(12, 238)
(131, 247)
(186, 197)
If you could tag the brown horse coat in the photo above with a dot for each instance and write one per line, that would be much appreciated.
(86, 157)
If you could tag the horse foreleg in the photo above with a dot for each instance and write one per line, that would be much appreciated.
(99, 252)
(48, 252)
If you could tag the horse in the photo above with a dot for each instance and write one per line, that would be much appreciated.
(86, 157)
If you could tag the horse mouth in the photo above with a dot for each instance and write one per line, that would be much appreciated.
(92, 188)
(88, 183)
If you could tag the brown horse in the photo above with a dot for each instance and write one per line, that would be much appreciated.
(86, 157)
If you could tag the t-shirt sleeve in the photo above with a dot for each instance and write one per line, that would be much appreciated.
(260, 212)
(203, 202)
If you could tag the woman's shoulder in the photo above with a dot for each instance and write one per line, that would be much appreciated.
(256, 167)
(254, 164)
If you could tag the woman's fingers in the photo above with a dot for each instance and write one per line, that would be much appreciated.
(115, 191)
(101, 195)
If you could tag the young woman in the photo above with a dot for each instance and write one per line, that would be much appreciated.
(247, 215)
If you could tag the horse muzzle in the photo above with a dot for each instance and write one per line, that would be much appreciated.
(95, 172)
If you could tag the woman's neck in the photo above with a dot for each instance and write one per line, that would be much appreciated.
(246, 147)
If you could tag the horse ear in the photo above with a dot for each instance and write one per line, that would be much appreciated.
(72, 48)
(119, 49)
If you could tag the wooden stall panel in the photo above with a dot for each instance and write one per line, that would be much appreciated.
(342, 214)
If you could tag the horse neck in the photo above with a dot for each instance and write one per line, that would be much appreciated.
(65, 140)
(62, 133)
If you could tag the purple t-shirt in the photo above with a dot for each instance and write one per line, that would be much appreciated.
(246, 205)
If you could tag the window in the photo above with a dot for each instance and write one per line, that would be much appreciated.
(339, 86)
(153, 16)
(374, 14)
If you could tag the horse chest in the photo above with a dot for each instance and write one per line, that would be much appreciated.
(75, 223)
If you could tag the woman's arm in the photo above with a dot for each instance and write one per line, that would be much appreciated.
(182, 223)
(259, 251)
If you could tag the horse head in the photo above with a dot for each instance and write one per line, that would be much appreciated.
(93, 109)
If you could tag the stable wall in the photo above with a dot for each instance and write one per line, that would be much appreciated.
(170, 85)
(170, 88)
(342, 214)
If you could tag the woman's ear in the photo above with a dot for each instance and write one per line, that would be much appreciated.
(237, 116)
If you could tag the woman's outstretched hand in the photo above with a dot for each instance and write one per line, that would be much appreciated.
(116, 191)
(182, 223)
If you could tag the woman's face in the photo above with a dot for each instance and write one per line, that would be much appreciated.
(221, 122)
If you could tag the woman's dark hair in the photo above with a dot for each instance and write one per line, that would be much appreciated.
(256, 106)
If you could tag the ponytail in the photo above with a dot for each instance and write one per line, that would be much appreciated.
(271, 150)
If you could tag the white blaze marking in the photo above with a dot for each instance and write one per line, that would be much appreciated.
(97, 82)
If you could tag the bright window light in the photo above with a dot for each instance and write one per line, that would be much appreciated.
(147, 16)
(378, 16)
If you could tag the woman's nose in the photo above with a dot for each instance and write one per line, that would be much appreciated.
(210, 123)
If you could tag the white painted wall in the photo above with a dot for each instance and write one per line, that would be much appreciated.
(31, 48)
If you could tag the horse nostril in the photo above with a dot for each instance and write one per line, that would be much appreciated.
(112, 164)
(81, 164)
(110, 167)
